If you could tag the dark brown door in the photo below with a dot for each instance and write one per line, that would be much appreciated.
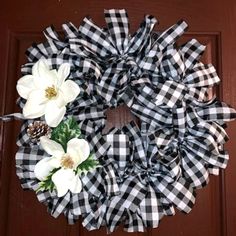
(212, 22)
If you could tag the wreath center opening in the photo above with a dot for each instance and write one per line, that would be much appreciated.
(118, 117)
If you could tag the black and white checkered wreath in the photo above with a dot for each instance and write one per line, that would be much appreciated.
(132, 175)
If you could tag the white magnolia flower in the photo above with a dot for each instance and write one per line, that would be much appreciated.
(47, 92)
(65, 178)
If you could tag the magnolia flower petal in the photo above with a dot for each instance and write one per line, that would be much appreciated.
(62, 73)
(43, 168)
(78, 149)
(43, 76)
(75, 185)
(51, 147)
(40, 63)
(70, 90)
(25, 85)
(60, 99)
(35, 105)
(54, 114)
(62, 180)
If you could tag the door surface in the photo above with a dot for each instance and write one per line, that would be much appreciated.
(212, 22)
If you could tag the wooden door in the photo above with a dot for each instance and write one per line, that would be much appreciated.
(212, 22)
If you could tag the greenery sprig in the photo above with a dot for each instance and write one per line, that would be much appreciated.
(64, 132)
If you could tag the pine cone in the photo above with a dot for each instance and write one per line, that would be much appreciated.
(38, 129)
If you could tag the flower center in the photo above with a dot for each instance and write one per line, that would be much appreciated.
(67, 162)
(50, 92)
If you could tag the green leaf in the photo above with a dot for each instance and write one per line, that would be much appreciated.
(65, 131)
(47, 184)
(88, 165)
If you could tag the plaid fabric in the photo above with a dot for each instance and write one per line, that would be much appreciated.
(118, 27)
(146, 110)
(119, 151)
(145, 171)
(10, 117)
(216, 111)
(192, 51)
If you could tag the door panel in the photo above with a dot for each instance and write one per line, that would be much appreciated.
(22, 23)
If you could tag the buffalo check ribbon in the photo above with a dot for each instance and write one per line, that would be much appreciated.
(146, 170)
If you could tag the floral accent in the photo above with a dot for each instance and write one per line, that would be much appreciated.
(69, 157)
(47, 92)
(65, 163)
(38, 129)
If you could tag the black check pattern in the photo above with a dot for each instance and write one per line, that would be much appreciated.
(118, 27)
(216, 111)
(170, 35)
(119, 151)
(192, 51)
(147, 171)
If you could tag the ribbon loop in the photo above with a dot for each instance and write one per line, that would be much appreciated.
(118, 26)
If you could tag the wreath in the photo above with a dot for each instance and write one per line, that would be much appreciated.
(135, 174)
